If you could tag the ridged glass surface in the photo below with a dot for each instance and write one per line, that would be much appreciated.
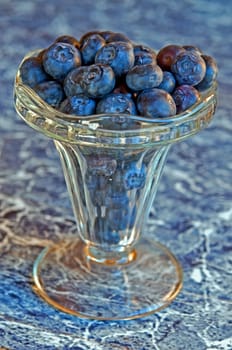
(111, 192)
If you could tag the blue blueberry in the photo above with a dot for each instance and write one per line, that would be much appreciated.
(51, 92)
(156, 103)
(185, 96)
(192, 48)
(89, 47)
(60, 58)
(118, 55)
(32, 72)
(134, 176)
(110, 36)
(120, 105)
(116, 103)
(143, 77)
(68, 39)
(189, 68)
(144, 55)
(106, 34)
(99, 80)
(210, 75)
(168, 83)
(78, 105)
(95, 81)
(72, 82)
(87, 34)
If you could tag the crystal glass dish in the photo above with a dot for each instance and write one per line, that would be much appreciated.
(112, 166)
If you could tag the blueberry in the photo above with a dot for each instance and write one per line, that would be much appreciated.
(185, 96)
(116, 103)
(89, 47)
(144, 77)
(134, 176)
(168, 83)
(118, 55)
(192, 48)
(210, 75)
(68, 39)
(78, 105)
(95, 81)
(106, 34)
(144, 55)
(51, 92)
(87, 34)
(60, 58)
(110, 36)
(72, 84)
(189, 68)
(32, 72)
(156, 103)
(167, 55)
(99, 80)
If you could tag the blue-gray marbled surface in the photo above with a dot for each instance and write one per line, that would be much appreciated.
(193, 209)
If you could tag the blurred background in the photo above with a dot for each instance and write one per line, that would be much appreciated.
(193, 209)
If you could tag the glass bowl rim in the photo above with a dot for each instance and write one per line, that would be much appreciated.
(88, 124)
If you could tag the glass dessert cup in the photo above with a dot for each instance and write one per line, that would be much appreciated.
(112, 166)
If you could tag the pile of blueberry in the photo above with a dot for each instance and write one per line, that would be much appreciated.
(105, 72)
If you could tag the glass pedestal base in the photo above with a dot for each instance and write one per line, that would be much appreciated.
(68, 280)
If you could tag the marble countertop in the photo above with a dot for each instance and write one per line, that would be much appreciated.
(193, 209)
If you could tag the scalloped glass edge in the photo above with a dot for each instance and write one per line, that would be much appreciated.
(88, 130)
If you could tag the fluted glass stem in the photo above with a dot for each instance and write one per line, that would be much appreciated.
(111, 193)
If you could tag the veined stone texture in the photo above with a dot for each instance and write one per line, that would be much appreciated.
(192, 213)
